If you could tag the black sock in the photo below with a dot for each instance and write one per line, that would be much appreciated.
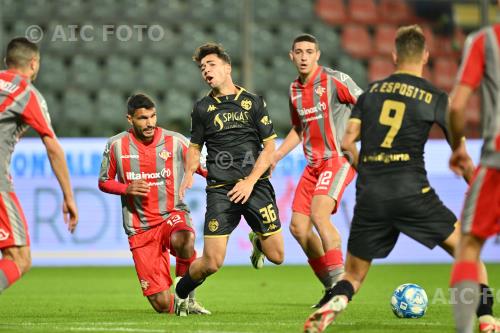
(186, 285)
(258, 244)
(485, 301)
(343, 287)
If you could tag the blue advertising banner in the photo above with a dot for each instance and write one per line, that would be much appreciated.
(100, 239)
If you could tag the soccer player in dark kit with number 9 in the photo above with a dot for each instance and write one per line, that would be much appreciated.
(236, 128)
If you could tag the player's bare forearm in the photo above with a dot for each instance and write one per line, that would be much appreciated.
(349, 141)
(192, 159)
(456, 114)
(57, 160)
(263, 161)
(291, 141)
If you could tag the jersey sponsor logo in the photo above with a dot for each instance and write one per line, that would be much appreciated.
(211, 108)
(266, 120)
(246, 104)
(320, 107)
(129, 156)
(235, 118)
(164, 173)
(213, 225)
(144, 284)
(320, 90)
(3, 235)
(165, 154)
(8, 86)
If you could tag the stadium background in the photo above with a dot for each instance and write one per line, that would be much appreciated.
(95, 53)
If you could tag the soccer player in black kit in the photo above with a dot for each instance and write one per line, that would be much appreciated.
(393, 195)
(236, 128)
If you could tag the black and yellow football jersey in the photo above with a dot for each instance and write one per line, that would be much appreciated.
(396, 115)
(233, 127)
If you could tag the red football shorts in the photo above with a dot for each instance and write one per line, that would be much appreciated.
(329, 177)
(150, 251)
(481, 213)
(13, 226)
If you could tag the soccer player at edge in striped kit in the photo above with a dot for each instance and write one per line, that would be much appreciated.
(320, 102)
(149, 164)
(481, 212)
(22, 106)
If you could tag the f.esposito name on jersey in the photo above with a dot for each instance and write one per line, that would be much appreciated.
(164, 173)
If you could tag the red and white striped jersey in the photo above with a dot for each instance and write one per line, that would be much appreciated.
(321, 108)
(160, 163)
(21, 106)
(481, 65)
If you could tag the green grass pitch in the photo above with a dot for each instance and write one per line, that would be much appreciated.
(274, 299)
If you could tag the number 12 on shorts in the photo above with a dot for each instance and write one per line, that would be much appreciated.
(268, 214)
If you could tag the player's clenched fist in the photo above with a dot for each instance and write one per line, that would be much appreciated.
(138, 187)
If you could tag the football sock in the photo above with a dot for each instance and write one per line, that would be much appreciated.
(343, 287)
(9, 273)
(186, 285)
(485, 301)
(182, 265)
(328, 267)
(464, 278)
(258, 244)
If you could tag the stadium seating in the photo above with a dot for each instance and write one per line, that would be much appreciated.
(332, 11)
(363, 11)
(384, 39)
(445, 71)
(357, 41)
(379, 68)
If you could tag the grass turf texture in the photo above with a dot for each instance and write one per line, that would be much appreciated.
(274, 299)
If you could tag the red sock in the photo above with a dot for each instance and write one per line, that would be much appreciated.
(182, 265)
(464, 271)
(333, 258)
(10, 271)
(318, 265)
(171, 304)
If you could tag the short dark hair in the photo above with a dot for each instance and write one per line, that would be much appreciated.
(20, 51)
(211, 48)
(305, 38)
(138, 101)
(410, 43)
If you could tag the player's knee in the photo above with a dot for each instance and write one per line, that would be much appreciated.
(277, 256)
(23, 261)
(183, 243)
(212, 266)
(298, 232)
(160, 304)
(318, 217)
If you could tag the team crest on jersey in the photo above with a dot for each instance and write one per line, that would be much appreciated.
(144, 284)
(165, 154)
(266, 121)
(3, 235)
(319, 90)
(213, 225)
(246, 104)
(211, 108)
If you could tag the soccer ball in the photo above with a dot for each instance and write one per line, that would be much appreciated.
(409, 301)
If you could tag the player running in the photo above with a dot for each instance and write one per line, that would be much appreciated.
(149, 163)
(320, 102)
(481, 213)
(239, 135)
(22, 106)
(393, 194)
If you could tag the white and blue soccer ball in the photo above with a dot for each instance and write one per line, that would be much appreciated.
(409, 301)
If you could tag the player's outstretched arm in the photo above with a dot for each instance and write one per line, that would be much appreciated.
(291, 141)
(192, 164)
(242, 190)
(57, 160)
(349, 141)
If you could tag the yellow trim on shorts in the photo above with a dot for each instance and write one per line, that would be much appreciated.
(215, 236)
(270, 137)
(355, 120)
(269, 233)
(426, 189)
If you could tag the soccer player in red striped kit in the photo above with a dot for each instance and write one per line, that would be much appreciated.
(481, 212)
(320, 104)
(22, 106)
(149, 164)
